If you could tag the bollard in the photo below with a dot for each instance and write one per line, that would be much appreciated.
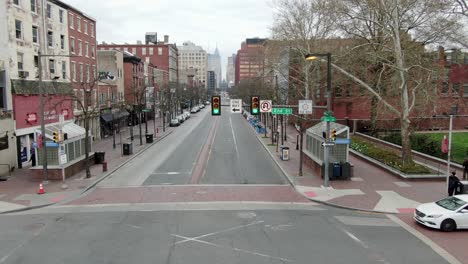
(104, 166)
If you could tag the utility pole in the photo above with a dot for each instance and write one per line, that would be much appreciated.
(43, 133)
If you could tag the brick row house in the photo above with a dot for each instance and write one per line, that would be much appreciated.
(62, 39)
(159, 62)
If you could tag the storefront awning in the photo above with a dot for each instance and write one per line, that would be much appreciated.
(116, 116)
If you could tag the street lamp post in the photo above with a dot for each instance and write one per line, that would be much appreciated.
(310, 57)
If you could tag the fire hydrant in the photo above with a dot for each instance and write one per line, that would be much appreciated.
(104, 166)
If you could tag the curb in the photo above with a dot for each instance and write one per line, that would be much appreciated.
(291, 182)
(92, 185)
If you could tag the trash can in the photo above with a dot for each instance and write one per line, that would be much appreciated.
(336, 170)
(127, 148)
(99, 157)
(284, 153)
(149, 138)
(346, 171)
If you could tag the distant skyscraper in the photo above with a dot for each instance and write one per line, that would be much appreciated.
(230, 71)
(211, 80)
(214, 64)
(194, 57)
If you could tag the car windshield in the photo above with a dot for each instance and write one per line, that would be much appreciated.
(451, 203)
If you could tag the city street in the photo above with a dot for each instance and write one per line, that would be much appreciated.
(204, 149)
(215, 233)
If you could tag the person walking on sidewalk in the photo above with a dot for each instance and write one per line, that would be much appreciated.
(465, 169)
(453, 183)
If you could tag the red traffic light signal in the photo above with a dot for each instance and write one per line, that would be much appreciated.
(255, 105)
(215, 105)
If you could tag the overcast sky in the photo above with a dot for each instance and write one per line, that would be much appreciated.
(205, 22)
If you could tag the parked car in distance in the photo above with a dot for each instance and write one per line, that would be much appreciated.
(207, 102)
(202, 106)
(194, 110)
(447, 214)
(187, 115)
(181, 118)
(174, 122)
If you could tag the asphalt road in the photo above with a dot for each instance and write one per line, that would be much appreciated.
(223, 148)
(125, 235)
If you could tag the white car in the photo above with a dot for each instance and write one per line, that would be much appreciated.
(447, 214)
(187, 115)
(194, 110)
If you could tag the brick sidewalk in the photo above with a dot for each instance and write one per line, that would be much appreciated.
(371, 188)
(21, 188)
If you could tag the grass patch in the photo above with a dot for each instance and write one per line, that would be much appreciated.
(387, 157)
(269, 144)
(264, 137)
(430, 144)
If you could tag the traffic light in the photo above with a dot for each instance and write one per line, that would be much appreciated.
(56, 137)
(333, 134)
(216, 105)
(255, 105)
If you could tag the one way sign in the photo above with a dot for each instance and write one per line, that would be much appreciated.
(236, 106)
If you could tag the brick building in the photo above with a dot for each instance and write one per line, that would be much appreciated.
(249, 61)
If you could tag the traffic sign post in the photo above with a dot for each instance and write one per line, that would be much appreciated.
(282, 111)
(305, 107)
(236, 106)
(265, 106)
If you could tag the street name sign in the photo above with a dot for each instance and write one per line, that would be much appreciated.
(342, 141)
(265, 106)
(281, 111)
(236, 106)
(305, 107)
(330, 144)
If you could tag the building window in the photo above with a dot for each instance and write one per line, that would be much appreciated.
(151, 51)
(85, 27)
(20, 61)
(338, 91)
(456, 88)
(80, 48)
(62, 41)
(72, 45)
(49, 11)
(3, 139)
(78, 24)
(445, 88)
(87, 73)
(86, 49)
(33, 6)
(81, 72)
(94, 72)
(64, 70)
(134, 51)
(143, 51)
(73, 71)
(35, 34)
(16, 2)
(18, 28)
(92, 29)
(159, 51)
(93, 51)
(51, 66)
(50, 38)
(465, 90)
(71, 20)
(36, 61)
(61, 16)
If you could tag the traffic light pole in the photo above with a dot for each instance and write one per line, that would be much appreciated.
(43, 136)
(326, 177)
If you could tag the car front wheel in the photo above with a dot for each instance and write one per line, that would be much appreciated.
(448, 225)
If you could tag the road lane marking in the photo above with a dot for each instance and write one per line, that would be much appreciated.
(234, 248)
(234, 136)
(200, 168)
(219, 232)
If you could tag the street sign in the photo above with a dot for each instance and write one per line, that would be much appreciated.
(265, 106)
(342, 141)
(236, 106)
(146, 110)
(63, 158)
(331, 144)
(305, 107)
(281, 111)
